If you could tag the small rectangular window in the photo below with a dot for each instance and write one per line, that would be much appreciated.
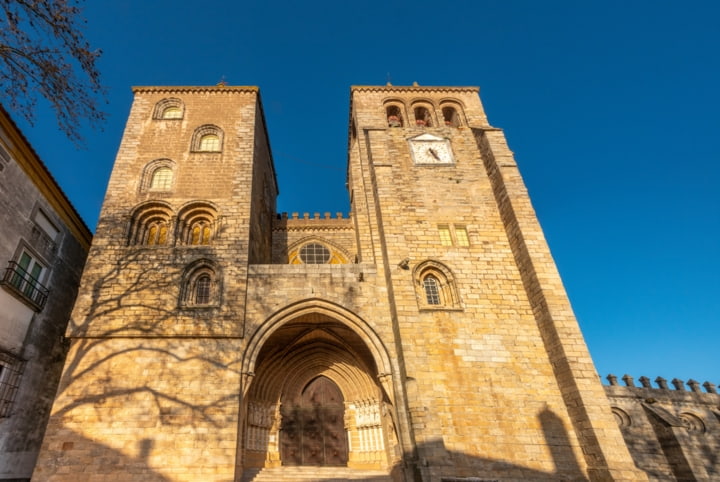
(46, 225)
(461, 236)
(445, 238)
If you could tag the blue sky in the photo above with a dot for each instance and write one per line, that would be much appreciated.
(610, 107)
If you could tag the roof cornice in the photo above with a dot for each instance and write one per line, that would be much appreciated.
(190, 88)
(411, 88)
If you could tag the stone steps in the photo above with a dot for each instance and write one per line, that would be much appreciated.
(314, 474)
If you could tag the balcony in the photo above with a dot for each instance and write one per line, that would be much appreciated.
(24, 287)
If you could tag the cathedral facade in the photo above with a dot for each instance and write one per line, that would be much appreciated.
(426, 336)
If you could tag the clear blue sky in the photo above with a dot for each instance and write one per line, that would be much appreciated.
(612, 109)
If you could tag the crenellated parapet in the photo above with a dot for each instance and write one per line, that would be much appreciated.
(671, 428)
(327, 220)
(662, 384)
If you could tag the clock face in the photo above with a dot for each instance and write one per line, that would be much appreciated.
(429, 149)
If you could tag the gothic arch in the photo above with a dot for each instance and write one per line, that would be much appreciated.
(319, 307)
(316, 347)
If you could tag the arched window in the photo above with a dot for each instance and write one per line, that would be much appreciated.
(435, 286)
(209, 142)
(200, 232)
(201, 285)
(431, 285)
(197, 224)
(451, 116)
(423, 118)
(394, 116)
(150, 225)
(156, 233)
(202, 291)
(172, 113)
(208, 138)
(170, 108)
(161, 179)
(158, 176)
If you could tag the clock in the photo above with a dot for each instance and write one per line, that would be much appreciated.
(429, 149)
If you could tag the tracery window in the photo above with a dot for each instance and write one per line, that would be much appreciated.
(208, 138)
(169, 108)
(314, 253)
(315, 250)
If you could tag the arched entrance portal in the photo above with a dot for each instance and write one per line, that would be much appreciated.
(315, 399)
(313, 426)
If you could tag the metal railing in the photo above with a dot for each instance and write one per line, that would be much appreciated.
(23, 284)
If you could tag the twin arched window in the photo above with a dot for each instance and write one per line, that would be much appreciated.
(153, 223)
(150, 224)
(197, 223)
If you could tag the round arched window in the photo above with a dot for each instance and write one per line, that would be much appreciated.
(314, 253)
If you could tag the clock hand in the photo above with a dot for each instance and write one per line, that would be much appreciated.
(434, 153)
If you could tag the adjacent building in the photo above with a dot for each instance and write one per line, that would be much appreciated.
(43, 246)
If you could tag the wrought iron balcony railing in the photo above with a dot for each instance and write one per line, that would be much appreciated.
(22, 284)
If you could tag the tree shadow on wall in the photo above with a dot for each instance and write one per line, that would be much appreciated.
(123, 375)
(432, 461)
(435, 462)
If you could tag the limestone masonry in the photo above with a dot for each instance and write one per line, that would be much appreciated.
(426, 337)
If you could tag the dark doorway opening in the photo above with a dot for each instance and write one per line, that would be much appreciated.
(313, 428)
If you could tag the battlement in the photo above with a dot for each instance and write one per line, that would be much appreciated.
(662, 384)
(326, 221)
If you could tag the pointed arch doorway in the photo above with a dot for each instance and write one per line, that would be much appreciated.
(313, 426)
(316, 399)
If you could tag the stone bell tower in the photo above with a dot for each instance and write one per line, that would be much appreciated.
(426, 337)
(497, 377)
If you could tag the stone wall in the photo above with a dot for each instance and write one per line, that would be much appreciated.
(672, 434)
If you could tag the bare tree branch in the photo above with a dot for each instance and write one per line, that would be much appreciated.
(43, 54)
